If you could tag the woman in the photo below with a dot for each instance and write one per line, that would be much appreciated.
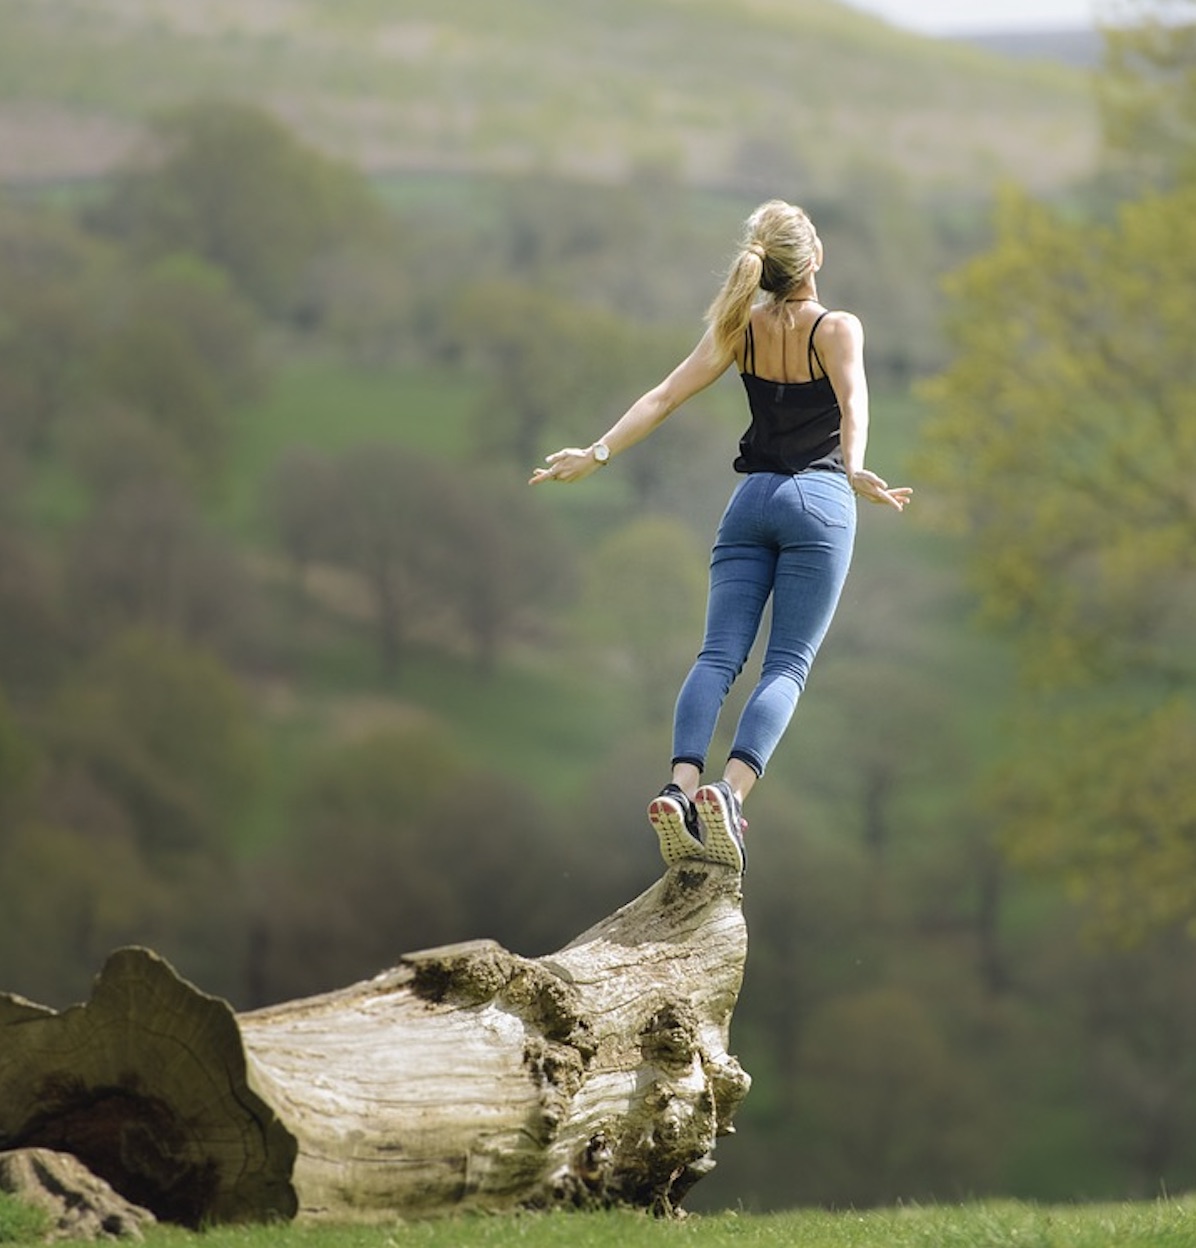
(789, 527)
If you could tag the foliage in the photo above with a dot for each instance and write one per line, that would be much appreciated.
(1148, 91)
(434, 548)
(1058, 440)
(32, 619)
(1060, 426)
(642, 607)
(1102, 796)
(229, 184)
(90, 337)
(49, 271)
(165, 732)
(425, 848)
(889, 1103)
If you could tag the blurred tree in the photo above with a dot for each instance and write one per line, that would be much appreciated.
(529, 345)
(555, 365)
(35, 627)
(1061, 440)
(642, 606)
(390, 508)
(19, 766)
(45, 337)
(498, 564)
(1147, 92)
(113, 449)
(889, 1111)
(459, 557)
(302, 500)
(52, 277)
(144, 558)
(67, 898)
(366, 296)
(149, 364)
(228, 183)
(416, 839)
(881, 247)
(634, 247)
(182, 351)
(1102, 797)
(1139, 1058)
(165, 735)
(84, 328)
(219, 326)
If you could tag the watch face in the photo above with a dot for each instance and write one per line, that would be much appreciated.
(601, 452)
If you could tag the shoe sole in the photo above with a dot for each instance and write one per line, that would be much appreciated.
(676, 844)
(722, 845)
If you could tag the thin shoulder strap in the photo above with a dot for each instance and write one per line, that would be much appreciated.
(812, 355)
(749, 350)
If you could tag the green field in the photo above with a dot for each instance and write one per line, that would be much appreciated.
(1165, 1224)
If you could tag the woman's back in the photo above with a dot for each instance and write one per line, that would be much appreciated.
(780, 343)
(795, 415)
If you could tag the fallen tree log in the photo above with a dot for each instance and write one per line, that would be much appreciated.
(465, 1077)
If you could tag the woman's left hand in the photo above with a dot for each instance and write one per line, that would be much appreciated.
(876, 490)
(572, 464)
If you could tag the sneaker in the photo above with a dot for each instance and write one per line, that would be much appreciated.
(675, 819)
(723, 825)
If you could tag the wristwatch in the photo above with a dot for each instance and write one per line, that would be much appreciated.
(601, 453)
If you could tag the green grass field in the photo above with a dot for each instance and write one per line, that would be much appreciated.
(1163, 1224)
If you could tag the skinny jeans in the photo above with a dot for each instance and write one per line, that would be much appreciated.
(785, 537)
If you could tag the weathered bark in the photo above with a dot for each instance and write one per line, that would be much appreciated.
(465, 1077)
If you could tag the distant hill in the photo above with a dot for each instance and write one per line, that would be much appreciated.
(723, 93)
(1079, 48)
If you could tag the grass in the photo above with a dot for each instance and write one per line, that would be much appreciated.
(1004, 1224)
(20, 1223)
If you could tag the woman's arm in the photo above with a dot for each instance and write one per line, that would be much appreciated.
(842, 348)
(703, 366)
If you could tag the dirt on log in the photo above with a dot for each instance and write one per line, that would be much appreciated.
(465, 1078)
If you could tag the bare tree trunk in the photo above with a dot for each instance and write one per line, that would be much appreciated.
(464, 1078)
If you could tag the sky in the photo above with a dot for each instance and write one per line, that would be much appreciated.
(941, 17)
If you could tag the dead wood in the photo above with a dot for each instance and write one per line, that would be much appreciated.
(466, 1077)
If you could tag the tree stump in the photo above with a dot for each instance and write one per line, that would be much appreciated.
(465, 1077)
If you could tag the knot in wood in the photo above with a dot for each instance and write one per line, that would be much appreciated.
(670, 1038)
(467, 974)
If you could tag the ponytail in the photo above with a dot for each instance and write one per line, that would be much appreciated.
(776, 254)
(728, 315)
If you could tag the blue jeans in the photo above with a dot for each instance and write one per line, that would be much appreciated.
(791, 538)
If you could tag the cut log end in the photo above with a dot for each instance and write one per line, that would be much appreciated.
(464, 1078)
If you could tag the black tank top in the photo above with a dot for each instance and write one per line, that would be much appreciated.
(795, 424)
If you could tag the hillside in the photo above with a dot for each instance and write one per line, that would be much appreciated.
(1081, 48)
(721, 92)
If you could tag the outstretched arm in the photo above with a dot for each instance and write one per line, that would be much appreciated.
(704, 365)
(842, 347)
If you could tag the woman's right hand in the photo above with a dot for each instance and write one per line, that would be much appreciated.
(876, 490)
(571, 464)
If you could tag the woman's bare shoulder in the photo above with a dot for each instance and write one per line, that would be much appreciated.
(841, 327)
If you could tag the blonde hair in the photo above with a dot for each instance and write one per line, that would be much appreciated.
(776, 253)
